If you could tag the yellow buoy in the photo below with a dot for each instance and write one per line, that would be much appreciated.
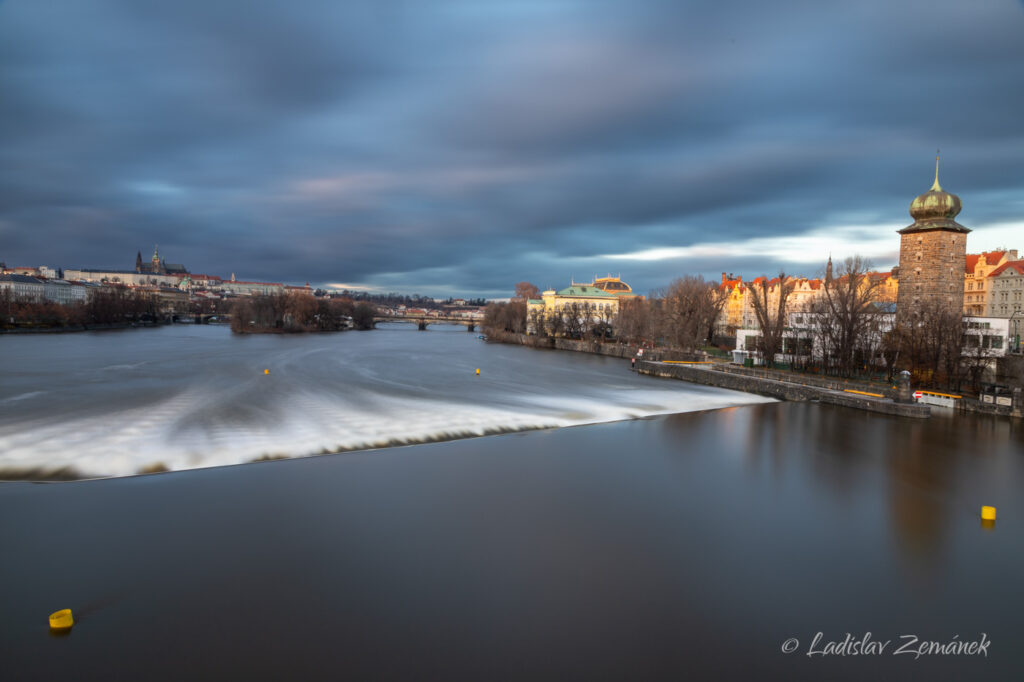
(266, 371)
(478, 370)
(988, 513)
(61, 620)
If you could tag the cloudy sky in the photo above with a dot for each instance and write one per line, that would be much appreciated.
(457, 147)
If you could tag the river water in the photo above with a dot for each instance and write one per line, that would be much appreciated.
(182, 397)
(693, 545)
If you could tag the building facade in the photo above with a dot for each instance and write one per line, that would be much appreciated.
(586, 301)
(976, 285)
(1006, 297)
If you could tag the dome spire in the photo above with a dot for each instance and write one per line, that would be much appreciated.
(935, 209)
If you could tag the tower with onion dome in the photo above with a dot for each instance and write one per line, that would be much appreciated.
(933, 254)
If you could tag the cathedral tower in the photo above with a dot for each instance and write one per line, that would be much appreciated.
(933, 254)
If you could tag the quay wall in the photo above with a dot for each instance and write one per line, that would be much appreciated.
(782, 390)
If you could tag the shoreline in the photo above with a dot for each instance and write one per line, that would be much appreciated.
(798, 387)
(110, 326)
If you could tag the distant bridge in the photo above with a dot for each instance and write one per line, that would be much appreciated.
(201, 318)
(422, 321)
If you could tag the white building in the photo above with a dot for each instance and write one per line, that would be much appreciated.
(984, 337)
(22, 286)
(64, 292)
(1006, 296)
(126, 277)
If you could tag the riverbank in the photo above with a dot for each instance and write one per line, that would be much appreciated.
(649, 549)
(783, 385)
(82, 328)
(712, 375)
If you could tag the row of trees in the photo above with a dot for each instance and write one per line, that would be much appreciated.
(103, 306)
(682, 315)
(843, 330)
(851, 334)
(299, 312)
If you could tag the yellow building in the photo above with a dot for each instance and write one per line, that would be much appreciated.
(738, 310)
(587, 302)
(978, 267)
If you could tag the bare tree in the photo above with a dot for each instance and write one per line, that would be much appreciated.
(575, 319)
(505, 317)
(539, 322)
(769, 299)
(633, 321)
(690, 308)
(844, 314)
(930, 345)
(526, 291)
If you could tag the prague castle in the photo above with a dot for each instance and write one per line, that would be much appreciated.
(157, 266)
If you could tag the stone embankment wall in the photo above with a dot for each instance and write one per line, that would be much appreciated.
(833, 383)
(782, 390)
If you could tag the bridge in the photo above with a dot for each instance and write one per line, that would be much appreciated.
(201, 318)
(423, 320)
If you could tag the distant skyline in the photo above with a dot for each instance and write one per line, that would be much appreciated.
(454, 148)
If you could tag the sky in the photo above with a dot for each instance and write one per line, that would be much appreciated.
(456, 147)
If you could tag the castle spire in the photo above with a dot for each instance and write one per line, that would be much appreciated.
(936, 187)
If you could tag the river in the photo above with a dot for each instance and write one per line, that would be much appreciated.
(693, 545)
(182, 397)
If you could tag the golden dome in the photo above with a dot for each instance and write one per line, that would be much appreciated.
(935, 209)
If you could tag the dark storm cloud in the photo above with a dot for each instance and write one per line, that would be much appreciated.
(459, 147)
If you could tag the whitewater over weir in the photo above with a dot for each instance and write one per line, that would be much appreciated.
(182, 397)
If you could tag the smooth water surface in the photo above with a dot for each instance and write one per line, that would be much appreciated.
(690, 546)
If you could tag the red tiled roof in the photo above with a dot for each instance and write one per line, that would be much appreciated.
(1017, 265)
(991, 257)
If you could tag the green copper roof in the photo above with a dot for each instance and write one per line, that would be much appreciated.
(583, 290)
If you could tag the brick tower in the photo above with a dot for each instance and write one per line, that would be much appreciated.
(933, 254)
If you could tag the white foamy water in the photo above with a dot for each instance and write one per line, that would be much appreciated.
(113, 404)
